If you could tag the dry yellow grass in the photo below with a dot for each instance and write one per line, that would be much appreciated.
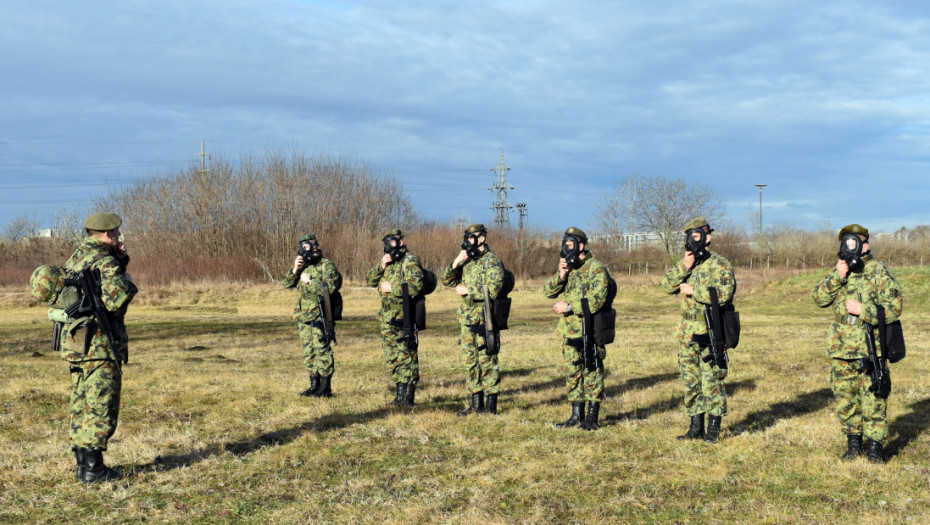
(211, 428)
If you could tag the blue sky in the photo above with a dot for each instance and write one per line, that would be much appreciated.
(826, 102)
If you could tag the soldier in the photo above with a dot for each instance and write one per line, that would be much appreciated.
(855, 290)
(580, 276)
(699, 270)
(474, 268)
(397, 267)
(314, 276)
(96, 378)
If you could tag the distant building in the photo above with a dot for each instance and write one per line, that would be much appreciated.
(630, 241)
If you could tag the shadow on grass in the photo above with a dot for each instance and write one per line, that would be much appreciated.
(803, 404)
(639, 383)
(268, 439)
(909, 426)
(665, 405)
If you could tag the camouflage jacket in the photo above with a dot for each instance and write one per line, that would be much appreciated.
(588, 281)
(877, 286)
(487, 269)
(713, 272)
(323, 272)
(405, 270)
(116, 292)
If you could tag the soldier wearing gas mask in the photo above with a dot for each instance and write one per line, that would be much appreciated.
(474, 268)
(314, 275)
(580, 276)
(397, 267)
(855, 290)
(699, 270)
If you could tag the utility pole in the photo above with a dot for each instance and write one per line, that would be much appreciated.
(501, 207)
(203, 163)
(761, 230)
(521, 207)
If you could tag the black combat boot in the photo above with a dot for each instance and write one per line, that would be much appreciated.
(79, 457)
(325, 389)
(575, 419)
(409, 395)
(874, 451)
(94, 469)
(713, 429)
(491, 406)
(853, 448)
(590, 421)
(314, 386)
(697, 428)
(477, 404)
(401, 391)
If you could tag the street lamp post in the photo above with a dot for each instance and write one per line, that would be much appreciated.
(760, 186)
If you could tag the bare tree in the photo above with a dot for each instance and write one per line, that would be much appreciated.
(20, 228)
(656, 205)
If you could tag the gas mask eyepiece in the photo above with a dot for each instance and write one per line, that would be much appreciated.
(851, 252)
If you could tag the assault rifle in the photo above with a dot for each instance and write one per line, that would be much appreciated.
(491, 335)
(592, 361)
(91, 304)
(718, 347)
(874, 365)
(326, 314)
(411, 334)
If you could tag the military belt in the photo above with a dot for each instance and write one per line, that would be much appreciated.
(847, 319)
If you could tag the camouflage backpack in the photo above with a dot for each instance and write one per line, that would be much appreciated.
(48, 285)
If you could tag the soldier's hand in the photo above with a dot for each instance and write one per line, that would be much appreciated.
(842, 268)
(687, 289)
(459, 259)
(461, 290)
(386, 286)
(305, 277)
(689, 259)
(563, 268)
(298, 263)
(853, 306)
(121, 251)
(560, 307)
(386, 260)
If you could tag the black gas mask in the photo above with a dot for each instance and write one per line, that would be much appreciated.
(397, 250)
(851, 252)
(698, 246)
(571, 254)
(309, 251)
(471, 246)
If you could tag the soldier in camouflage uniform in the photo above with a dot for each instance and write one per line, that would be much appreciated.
(474, 268)
(310, 275)
(699, 270)
(853, 291)
(96, 380)
(579, 276)
(397, 266)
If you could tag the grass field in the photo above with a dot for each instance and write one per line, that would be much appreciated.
(212, 430)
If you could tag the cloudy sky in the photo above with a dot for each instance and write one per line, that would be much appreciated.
(826, 102)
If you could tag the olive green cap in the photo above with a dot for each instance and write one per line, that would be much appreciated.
(475, 228)
(308, 237)
(853, 228)
(392, 233)
(696, 223)
(577, 233)
(102, 222)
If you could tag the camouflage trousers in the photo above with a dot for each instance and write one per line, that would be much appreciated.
(403, 362)
(583, 384)
(482, 371)
(95, 391)
(858, 410)
(704, 387)
(318, 355)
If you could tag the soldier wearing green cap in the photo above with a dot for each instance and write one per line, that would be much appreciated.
(96, 380)
(699, 270)
(856, 289)
(474, 268)
(314, 276)
(397, 267)
(580, 276)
